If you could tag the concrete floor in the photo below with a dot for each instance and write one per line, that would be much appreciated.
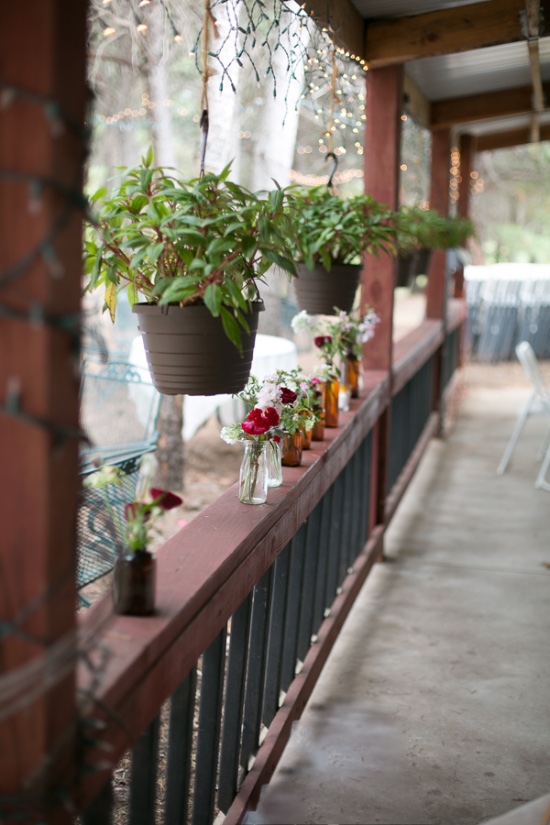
(435, 704)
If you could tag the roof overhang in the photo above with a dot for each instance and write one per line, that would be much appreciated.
(479, 67)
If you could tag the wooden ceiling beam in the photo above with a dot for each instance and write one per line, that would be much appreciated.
(343, 20)
(447, 31)
(502, 103)
(505, 140)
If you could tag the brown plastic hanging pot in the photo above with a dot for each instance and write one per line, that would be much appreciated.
(320, 291)
(189, 353)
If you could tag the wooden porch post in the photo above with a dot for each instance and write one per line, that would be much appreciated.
(439, 200)
(436, 290)
(467, 151)
(382, 158)
(42, 101)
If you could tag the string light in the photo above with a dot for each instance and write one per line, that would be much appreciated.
(35, 313)
(317, 180)
(108, 31)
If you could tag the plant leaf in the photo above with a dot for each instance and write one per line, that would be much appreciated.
(231, 327)
(110, 300)
(213, 299)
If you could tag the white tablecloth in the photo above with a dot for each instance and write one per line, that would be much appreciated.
(271, 353)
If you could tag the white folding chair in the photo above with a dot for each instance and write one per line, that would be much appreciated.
(538, 404)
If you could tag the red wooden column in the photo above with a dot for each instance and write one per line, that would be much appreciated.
(467, 151)
(439, 200)
(382, 159)
(42, 101)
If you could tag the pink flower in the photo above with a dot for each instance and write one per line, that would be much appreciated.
(288, 396)
(258, 422)
(322, 340)
(167, 500)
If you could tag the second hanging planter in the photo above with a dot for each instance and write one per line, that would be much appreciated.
(321, 290)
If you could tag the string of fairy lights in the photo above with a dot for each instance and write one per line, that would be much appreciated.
(476, 183)
(332, 79)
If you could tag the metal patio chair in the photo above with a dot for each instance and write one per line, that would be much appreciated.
(537, 404)
(119, 414)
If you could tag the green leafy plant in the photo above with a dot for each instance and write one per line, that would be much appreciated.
(418, 228)
(335, 230)
(205, 241)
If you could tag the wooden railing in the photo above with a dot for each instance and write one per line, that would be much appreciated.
(250, 602)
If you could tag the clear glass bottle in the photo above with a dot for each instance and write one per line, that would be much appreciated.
(274, 463)
(253, 478)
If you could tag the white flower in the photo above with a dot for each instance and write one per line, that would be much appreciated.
(269, 395)
(324, 372)
(302, 322)
(232, 434)
(108, 474)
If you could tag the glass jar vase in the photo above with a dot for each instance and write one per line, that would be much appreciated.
(318, 431)
(134, 583)
(306, 433)
(332, 391)
(253, 477)
(292, 449)
(351, 374)
(274, 464)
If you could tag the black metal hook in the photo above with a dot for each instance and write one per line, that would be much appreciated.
(334, 167)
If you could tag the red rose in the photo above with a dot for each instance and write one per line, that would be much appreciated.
(259, 422)
(272, 416)
(322, 340)
(288, 396)
(167, 500)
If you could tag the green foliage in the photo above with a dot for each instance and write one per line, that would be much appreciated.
(331, 229)
(207, 241)
(419, 228)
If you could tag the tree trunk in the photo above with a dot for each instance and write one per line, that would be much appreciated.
(157, 53)
(275, 138)
(170, 450)
(222, 146)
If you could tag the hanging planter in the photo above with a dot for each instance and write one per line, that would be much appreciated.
(333, 233)
(406, 270)
(188, 352)
(418, 233)
(193, 250)
(319, 291)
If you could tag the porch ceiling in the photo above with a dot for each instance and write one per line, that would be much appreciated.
(480, 67)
